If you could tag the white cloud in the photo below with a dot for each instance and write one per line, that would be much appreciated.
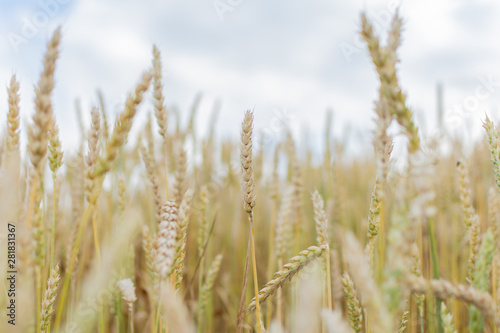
(264, 54)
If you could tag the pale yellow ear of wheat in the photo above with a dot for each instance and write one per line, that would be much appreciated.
(159, 100)
(385, 60)
(127, 289)
(355, 312)
(288, 272)
(149, 162)
(165, 242)
(91, 184)
(180, 174)
(123, 126)
(184, 214)
(13, 114)
(49, 299)
(42, 118)
(447, 318)
(246, 162)
(471, 220)
(445, 289)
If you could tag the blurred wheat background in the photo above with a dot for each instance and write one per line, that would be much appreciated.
(137, 214)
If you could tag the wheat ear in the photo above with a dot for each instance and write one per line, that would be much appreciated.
(123, 126)
(102, 107)
(445, 289)
(471, 220)
(249, 197)
(184, 214)
(127, 289)
(415, 269)
(385, 60)
(159, 100)
(49, 299)
(287, 273)
(494, 145)
(91, 184)
(481, 279)
(322, 238)
(320, 218)
(180, 174)
(404, 320)
(493, 204)
(42, 118)
(354, 309)
(165, 241)
(149, 162)
(447, 318)
(55, 162)
(13, 114)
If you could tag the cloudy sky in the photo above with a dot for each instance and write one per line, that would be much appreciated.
(290, 60)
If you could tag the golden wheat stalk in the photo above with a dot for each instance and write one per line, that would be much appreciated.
(249, 196)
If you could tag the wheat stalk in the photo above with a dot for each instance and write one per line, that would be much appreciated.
(249, 196)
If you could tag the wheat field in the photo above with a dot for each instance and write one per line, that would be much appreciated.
(172, 232)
